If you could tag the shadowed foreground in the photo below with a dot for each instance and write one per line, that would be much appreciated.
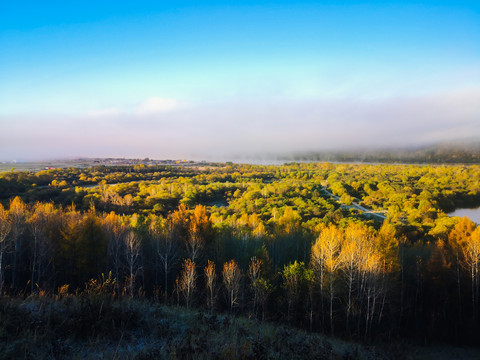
(92, 327)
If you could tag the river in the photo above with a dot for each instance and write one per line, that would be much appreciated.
(472, 214)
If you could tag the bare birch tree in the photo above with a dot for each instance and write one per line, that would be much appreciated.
(471, 251)
(326, 259)
(210, 284)
(254, 273)
(116, 231)
(132, 259)
(232, 276)
(187, 281)
(165, 246)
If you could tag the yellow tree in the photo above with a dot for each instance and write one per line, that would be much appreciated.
(187, 281)
(4, 231)
(210, 284)
(232, 276)
(471, 252)
(178, 223)
(356, 244)
(199, 226)
(456, 240)
(116, 230)
(326, 260)
(67, 246)
(41, 246)
(289, 224)
(259, 231)
(372, 276)
(388, 245)
(17, 215)
(290, 220)
(92, 246)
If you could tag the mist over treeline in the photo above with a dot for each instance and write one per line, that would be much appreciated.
(451, 152)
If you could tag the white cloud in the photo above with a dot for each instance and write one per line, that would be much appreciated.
(150, 106)
(246, 127)
(156, 105)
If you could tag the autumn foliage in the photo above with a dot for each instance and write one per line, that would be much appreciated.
(282, 243)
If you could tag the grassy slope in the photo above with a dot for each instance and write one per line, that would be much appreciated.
(92, 327)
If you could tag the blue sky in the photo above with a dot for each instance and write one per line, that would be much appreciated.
(176, 79)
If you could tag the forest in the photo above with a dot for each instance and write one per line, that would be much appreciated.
(362, 252)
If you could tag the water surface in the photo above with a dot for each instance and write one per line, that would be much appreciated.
(472, 214)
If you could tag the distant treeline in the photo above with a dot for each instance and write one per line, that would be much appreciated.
(438, 154)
